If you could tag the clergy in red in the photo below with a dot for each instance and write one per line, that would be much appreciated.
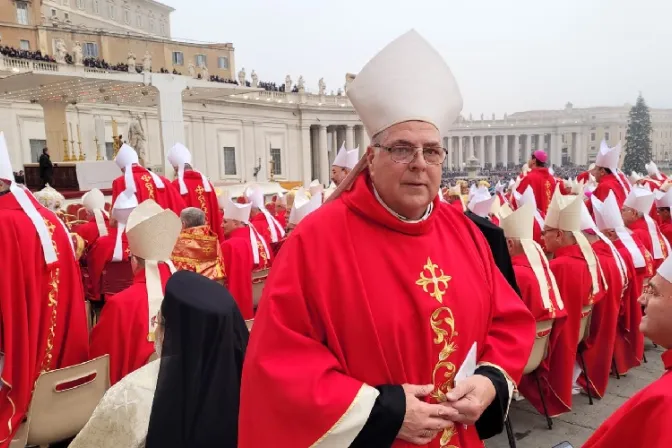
(197, 195)
(94, 228)
(42, 314)
(606, 182)
(99, 255)
(541, 181)
(642, 228)
(651, 409)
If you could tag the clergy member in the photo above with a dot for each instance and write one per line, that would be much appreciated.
(636, 216)
(302, 207)
(196, 190)
(481, 203)
(580, 284)
(344, 162)
(606, 164)
(649, 412)
(126, 326)
(655, 178)
(423, 276)
(198, 248)
(663, 204)
(144, 183)
(539, 178)
(629, 342)
(267, 226)
(99, 220)
(42, 316)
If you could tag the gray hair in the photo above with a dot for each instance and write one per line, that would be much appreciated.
(192, 217)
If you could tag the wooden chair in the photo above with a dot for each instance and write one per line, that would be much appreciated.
(258, 281)
(58, 414)
(584, 333)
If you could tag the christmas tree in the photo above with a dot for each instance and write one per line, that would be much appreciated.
(638, 138)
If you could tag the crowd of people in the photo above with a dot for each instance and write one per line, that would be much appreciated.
(37, 55)
(504, 174)
(394, 312)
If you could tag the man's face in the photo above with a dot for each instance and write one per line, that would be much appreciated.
(552, 239)
(531, 163)
(338, 174)
(664, 213)
(598, 172)
(657, 301)
(229, 225)
(629, 215)
(407, 188)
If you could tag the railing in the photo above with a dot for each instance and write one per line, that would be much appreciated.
(23, 65)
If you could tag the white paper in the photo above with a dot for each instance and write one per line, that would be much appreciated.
(468, 367)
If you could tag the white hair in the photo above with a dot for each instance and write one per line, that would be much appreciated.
(192, 217)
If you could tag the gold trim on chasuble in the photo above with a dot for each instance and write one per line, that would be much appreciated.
(435, 282)
(147, 179)
(549, 194)
(201, 200)
(52, 303)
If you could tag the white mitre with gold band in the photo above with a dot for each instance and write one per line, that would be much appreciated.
(564, 213)
(520, 225)
(94, 202)
(152, 233)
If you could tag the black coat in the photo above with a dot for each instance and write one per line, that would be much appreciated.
(46, 167)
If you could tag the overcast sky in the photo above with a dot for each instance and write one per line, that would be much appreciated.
(507, 55)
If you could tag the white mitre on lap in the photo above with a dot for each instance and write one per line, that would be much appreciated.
(179, 156)
(152, 233)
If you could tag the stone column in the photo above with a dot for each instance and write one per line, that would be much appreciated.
(324, 160)
(460, 156)
(481, 150)
(306, 154)
(505, 150)
(350, 137)
(364, 141)
(448, 142)
(171, 115)
(56, 129)
(557, 149)
(528, 147)
(540, 142)
(493, 151)
(472, 147)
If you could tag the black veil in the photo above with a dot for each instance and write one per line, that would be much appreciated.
(198, 388)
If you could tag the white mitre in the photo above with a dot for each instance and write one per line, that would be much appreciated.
(121, 209)
(152, 233)
(94, 202)
(346, 159)
(303, 206)
(653, 170)
(634, 178)
(255, 196)
(179, 156)
(564, 213)
(481, 202)
(315, 187)
(665, 269)
(520, 225)
(608, 157)
(663, 198)
(640, 199)
(608, 217)
(528, 198)
(587, 224)
(233, 210)
(126, 158)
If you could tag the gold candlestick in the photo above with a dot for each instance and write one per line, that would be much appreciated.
(74, 153)
(79, 143)
(66, 157)
(98, 156)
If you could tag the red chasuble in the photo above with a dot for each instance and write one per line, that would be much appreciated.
(555, 372)
(123, 327)
(167, 197)
(641, 229)
(666, 229)
(89, 231)
(600, 344)
(415, 299)
(629, 343)
(584, 176)
(99, 255)
(607, 183)
(259, 222)
(644, 420)
(196, 196)
(42, 314)
(238, 262)
(281, 217)
(530, 291)
(543, 186)
(265, 259)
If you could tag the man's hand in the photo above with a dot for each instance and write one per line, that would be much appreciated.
(422, 421)
(470, 398)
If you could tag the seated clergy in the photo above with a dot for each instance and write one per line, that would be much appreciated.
(651, 408)
(344, 162)
(144, 184)
(267, 226)
(201, 339)
(528, 197)
(635, 212)
(629, 342)
(302, 206)
(580, 284)
(42, 314)
(197, 249)
(99, 220)
(126, 325)
(195, 189)
(605, 173)
(663, 203)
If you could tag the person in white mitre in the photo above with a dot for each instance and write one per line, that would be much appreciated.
(267, 226)
(143, 183)
(481, 203)
(344, 162)
(173, 401)
(302, 207)
(99, 220)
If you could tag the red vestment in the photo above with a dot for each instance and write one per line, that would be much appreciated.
(198, 250)
(101, 253)
(644, 420)
(607, 183)
(584, 176)
(167, 197)
(598, 354)
(543, 186)
(196, 196)
(629, 343)
(238, 263)
(401, 315)
(281, 217)
(666, 229)
(641, 229)
(265, 259)
(123, 327)
(530, 291)
(261, 224)
(42, 314)
(89, 231)
(555, 372)
(653, 184)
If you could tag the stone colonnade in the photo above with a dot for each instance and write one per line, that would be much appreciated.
(324, 141)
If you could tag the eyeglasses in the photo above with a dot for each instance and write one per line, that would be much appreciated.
(545, 231)
(433, 155)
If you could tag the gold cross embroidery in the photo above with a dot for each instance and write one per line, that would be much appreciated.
(199, 189)
(437, 279)
(146, 178)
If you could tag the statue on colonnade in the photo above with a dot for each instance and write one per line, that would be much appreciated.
(146, 63)
(322, 86)
(301, 85)
(288, 83)
(130, 61)
(137, 139)
(192, 70)
(255, 79)
(241, 77)
(77, 54)
(205, 73)
(61, 51)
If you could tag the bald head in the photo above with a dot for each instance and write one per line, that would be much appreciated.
(192, 217)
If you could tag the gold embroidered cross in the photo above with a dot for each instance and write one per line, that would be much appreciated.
(146, 178)
(200, 189)
(437, 279)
